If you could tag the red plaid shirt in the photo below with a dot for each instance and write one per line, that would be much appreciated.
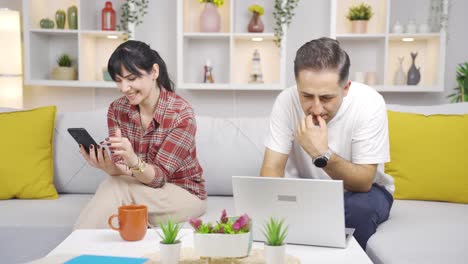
(168, 145)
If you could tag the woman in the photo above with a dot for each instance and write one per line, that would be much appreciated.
(152, 145)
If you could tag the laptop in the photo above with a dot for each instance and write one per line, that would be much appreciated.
(312, 209)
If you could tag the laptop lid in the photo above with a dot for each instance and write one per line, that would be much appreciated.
(312, 209)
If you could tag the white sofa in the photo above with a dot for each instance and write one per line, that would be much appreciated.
(417, 231)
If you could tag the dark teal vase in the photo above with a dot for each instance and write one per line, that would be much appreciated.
(414, 75)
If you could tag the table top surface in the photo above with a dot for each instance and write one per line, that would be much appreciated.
(109, 242)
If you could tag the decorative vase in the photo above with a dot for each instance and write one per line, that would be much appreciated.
(64, 73)
(170, 253)
(359, 26)
(210, 20)
(60, 18)
(108, 17)
(275, 254)
(400, 76)
(72, 14)
(414, 76)
(255, 24)
(222, 245)
(397, 28)
(411, 27)
(46, 23)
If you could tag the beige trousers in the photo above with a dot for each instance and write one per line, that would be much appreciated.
(168, 202)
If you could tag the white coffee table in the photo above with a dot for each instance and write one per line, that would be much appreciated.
(108, 242)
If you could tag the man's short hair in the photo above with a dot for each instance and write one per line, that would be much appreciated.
(323, 54)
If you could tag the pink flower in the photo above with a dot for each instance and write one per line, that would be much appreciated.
(224, 218)
(195, 223)
(241, 222)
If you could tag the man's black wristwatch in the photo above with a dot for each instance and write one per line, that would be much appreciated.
(322, 160)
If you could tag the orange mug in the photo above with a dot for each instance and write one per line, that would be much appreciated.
(133, 221)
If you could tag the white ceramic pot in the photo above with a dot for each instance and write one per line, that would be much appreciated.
(275, 254)
(222, 245)
(170, 253)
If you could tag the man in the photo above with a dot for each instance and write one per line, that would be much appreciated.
(330, 127)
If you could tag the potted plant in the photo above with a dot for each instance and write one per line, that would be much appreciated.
(64, 71)
(283, 14)
(210, 20)
(359, 15)
(461, 91)
(256, 24)
(230, 237)
(275, 232)
(169, 246)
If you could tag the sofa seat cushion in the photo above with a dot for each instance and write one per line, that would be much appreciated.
(32, 228)
(422, 232)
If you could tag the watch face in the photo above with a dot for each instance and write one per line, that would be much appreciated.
(320, 162)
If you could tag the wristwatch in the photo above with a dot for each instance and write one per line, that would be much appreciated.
(139, 168)
(322, 160)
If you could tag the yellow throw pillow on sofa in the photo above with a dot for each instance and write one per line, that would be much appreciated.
(26, 163)
(429, 156)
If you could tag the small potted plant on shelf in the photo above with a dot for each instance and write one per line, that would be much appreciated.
(275, 232)
(359, 15)
(256, 24)
(230, 237)
(210, 20)
(64, 71)
(170, 245)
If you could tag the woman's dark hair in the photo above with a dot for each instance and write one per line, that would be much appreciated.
(135, 56)
(323, 54)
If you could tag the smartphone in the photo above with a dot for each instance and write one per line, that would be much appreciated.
(82, 137)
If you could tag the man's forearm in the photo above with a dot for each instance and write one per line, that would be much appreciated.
(356, 177)
(271, 172)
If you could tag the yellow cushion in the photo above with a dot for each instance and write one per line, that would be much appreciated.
(26, 163)
(429, 156)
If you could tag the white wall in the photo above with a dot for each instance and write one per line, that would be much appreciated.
(311, 21)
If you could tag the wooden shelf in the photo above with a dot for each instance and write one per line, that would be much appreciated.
(89, 47)
(378, 50)
(230, 51)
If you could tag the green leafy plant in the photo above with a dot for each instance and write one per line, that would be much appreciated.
(217, 3)
(170, 231)
(275, 232)
(360, 12)
(132, 11)
(283, 15)
(226, 225)
(64, 60)
(461, 91)
(256, 9)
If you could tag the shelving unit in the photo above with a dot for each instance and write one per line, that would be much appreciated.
(230, 50)
(88, 46)
(378, 50)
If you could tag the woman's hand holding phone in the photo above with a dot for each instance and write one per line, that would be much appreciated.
(102, 161)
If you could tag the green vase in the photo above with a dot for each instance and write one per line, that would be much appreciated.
(46, 23)
(60, 17)
(72, 14)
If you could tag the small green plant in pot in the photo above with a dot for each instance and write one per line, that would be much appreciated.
(275, 233)
(359, 15)
(461, 91)
(170, 244)
(64, 71)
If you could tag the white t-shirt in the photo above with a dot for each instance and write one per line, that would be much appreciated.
(358, 133)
